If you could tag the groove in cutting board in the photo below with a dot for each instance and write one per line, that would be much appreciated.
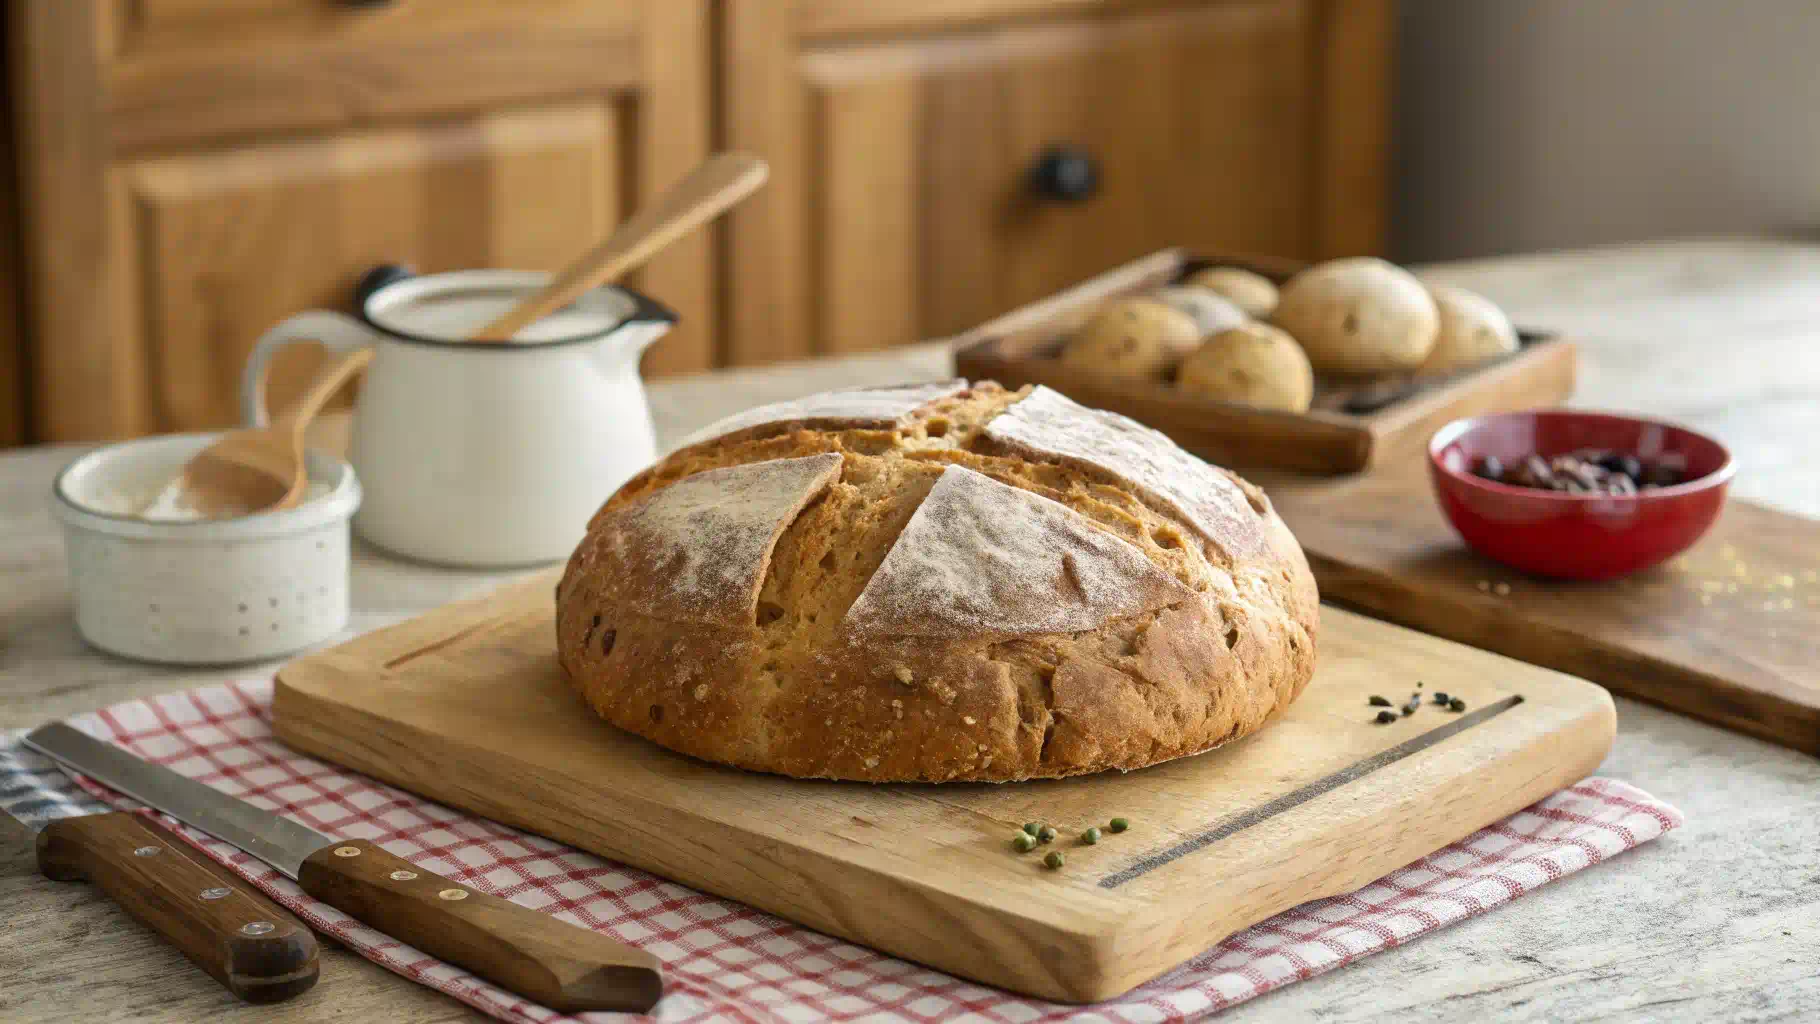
(436, 645)
(483, 720)
(1239, 823)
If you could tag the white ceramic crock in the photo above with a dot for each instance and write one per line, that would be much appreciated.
(484, 454)
(209, 592)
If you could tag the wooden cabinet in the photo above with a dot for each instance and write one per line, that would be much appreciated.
(195, 170)
(1041, 155)
(223, 244)
(939, 163)
(192, 171)
(14, 391)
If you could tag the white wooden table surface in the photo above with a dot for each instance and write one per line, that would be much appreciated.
(1719, 921)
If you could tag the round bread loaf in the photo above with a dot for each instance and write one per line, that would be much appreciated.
(936, 583)
(1252, 364)
(1250, 291)
(1359, 315)
(1140, 336)
(1211, 312)
(1473, 331)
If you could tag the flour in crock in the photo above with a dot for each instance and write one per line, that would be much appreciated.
(171, 503)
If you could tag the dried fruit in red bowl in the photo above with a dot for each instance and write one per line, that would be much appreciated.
(1585, 471)
(1570, 533)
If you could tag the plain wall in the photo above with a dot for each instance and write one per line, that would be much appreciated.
(1543, 124)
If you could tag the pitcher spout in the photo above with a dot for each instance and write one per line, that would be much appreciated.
(648, 321)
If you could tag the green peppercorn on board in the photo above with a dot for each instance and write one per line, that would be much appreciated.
(467, 706)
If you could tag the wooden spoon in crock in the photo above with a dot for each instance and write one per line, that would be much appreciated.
(259, 469)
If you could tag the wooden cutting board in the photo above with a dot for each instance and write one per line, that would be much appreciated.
(1729, 632)
(468, 706)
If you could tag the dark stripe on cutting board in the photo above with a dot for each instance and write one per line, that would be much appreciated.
(1245, 819)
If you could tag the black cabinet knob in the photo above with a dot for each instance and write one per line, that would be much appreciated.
(375, 279)
(1065, 174)
(361, 5)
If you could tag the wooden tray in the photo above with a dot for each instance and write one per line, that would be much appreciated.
(1352, 427)
(467, 706)
(1729, 632)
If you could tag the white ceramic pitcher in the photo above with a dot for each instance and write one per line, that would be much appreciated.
(484, 453)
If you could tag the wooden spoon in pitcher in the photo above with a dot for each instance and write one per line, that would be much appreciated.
(705, 193)
(259, 469)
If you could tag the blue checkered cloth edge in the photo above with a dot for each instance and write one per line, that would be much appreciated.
(34, 790)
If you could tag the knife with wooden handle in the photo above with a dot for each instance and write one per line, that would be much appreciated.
(559, 965)
(250, 944)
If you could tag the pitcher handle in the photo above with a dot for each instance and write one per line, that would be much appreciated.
(337, 332)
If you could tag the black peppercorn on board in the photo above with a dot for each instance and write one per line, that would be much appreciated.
(467, 706)
(1728, 632)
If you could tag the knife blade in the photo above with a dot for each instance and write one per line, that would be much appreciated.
(533, 954)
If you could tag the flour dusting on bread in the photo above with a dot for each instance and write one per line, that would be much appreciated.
(709, 536)
(1048, 424)
(873, 408)
(983, 558)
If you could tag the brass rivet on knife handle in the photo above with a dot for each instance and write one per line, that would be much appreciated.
(531, 953)
(202, 908)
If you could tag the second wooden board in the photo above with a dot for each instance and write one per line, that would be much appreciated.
(468, 706)
(1728, 632)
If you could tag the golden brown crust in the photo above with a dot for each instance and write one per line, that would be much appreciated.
(795, 690)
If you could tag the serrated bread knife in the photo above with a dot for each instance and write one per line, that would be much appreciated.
(531, 953)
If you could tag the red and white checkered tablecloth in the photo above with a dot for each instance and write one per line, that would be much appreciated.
(725, 961)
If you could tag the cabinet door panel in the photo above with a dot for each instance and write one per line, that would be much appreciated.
(1198, 120)
(200, 22)
(869, 207)
(830, 18)
(178, 72)
(223, 245)
(12, 338)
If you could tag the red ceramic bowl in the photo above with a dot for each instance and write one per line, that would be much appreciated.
(1576, 536)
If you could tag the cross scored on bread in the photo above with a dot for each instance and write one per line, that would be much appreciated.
(934, 583)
